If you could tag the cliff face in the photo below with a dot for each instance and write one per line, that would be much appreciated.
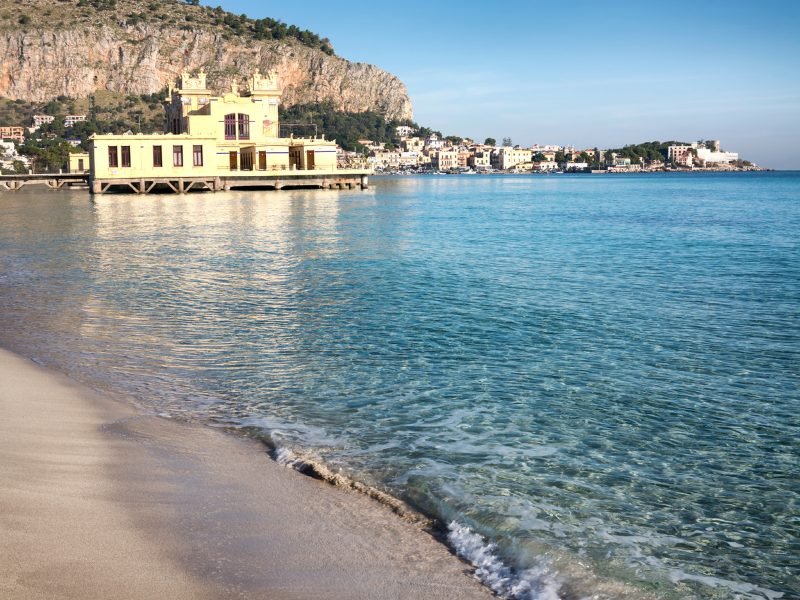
(40, 64)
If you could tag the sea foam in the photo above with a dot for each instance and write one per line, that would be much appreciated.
(537, 583)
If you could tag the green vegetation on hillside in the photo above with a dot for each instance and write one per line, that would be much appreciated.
(649, 151)
(106, 112)
(345, 127)
(189, 16)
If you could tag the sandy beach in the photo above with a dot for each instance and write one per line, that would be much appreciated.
(99, 501)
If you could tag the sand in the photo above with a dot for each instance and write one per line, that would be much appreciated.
(100, 501)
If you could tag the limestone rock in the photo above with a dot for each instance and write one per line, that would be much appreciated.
(40, 64)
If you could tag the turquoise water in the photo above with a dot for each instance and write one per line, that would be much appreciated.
(597, 375)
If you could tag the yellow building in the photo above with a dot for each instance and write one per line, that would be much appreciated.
(78, 162)
(217, 142)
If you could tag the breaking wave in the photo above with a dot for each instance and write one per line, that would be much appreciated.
(537, 583)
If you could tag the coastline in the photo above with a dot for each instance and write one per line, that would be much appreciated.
(105, 501)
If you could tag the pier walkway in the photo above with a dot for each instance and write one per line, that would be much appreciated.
(340, 179)
(55, 181)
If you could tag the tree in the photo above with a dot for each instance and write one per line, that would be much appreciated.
(490, 142)
(507, 143)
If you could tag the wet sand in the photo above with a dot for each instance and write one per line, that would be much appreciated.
(99, 501)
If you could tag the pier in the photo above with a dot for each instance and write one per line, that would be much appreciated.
(343, 179)
(339, 179)
(55, 181)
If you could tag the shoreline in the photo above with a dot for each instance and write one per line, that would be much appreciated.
(106, 501)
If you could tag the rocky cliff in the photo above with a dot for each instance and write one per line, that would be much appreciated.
(42, 61)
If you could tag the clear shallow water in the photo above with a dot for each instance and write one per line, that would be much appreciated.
(598, 374)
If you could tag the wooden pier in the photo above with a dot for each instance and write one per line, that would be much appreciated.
(55, 181)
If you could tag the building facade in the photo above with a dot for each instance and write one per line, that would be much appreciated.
(12, 133)
(70, 120)
(208, 136)
(508, 158)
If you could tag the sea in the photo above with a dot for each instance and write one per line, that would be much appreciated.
(590, 383)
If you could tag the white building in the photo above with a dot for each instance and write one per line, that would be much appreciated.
(433, 142)
(404, 131)
(39, 120)
(547, 148)
(70, 120)
(716, 156)
(576, 166)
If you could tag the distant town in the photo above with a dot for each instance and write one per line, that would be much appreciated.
(432, 153)
(423, 151)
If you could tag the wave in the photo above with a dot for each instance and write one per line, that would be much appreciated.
(536, 583)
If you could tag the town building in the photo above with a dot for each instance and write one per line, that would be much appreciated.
(214, 142)
(716, 156)
(576, 166)
(620, 161)
(681, 155)
(78, 162)
(432, 142)
(413, 144)
(39, 120)
(463, 158)
(444, 160)
(404, 131)
(508, 158)
(70, 120)
(12, 132)
(388, 160)
(480, 160)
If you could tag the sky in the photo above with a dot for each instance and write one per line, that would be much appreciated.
(589, 74)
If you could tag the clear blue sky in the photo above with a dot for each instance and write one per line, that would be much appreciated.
(598, 73)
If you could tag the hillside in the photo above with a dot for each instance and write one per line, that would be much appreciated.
(74, 48)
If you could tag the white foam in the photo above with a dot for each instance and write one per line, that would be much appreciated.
(287, 458)
(537, 583)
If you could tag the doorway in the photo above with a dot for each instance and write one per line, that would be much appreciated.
(310, 160)
(233, 158)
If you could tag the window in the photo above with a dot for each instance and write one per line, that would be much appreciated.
(112, 157)
(244, 127)
(158, 160)
(230, 126)
(176, 126)
(197, 156)
(126, 156)
(177, 156)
